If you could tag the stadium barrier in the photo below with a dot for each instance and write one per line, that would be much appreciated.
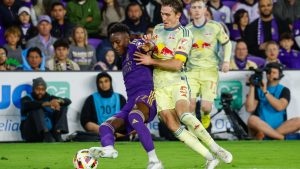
(79, 85)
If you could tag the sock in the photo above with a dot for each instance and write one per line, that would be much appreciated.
(152, 156)
(190, 140)
(136, 119)
(107, 134)
(198, 130)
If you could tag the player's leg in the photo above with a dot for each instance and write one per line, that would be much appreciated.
(137, 119)
(166, 107)
(257, 125)
(194, 125)
(107, 131)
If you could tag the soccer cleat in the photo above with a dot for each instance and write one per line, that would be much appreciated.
(205, 120)
(211, 164)
(155, 165)
(103, 152)
(224, 155)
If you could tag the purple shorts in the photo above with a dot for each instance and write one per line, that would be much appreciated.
(145, 96)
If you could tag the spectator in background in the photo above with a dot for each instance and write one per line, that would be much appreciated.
(111, 12)
(3, 60)
(109, 63)
(61, 27)
(268, 103)
(14, 51)
(43, 7)
(43, 40)
(33, 60)
(80, 51)
(43, 116)
(8, 12)
(296, 32)
(240, 60)
(104, 45)
(151, 10)
(134, 20)
(85, 13)
(287, 10)
(2, 30)
(60, 61)
(264, 29)
(28, 30)
(237, 29)
(288, 56)
(251, 6)
(221, 13)
(272, 52)
(185, 17)
(101, 105)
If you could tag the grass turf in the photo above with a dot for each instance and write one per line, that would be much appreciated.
(175, 155)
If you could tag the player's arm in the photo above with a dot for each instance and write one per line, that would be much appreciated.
(223, 38)
(168, 64)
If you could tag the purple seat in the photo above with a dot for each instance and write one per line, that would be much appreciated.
(94, 42)
(230, 4)
(259, 61)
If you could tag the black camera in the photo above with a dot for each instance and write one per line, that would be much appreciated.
(226, 99)
(256, 78)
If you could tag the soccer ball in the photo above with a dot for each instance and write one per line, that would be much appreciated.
(83, 160)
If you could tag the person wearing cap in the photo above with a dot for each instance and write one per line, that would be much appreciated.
(85, 13)
(43, 116)
(43, 40)
(33, 60)
(101, 105)
(28, 30)
(61, 26)
(60, 61)
(268, 105)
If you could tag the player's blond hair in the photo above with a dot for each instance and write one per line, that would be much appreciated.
(194, 1)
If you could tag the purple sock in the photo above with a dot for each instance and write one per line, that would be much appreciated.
(136, 120)
(107, 135)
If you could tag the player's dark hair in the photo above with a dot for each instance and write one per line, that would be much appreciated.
(119, 27)
(175, 4)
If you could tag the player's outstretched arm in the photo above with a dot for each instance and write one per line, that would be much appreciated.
(227, 54)
(169, 64)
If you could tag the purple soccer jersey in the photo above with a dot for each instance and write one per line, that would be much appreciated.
(138, 81)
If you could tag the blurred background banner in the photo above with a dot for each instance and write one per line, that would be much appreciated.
(79, 85)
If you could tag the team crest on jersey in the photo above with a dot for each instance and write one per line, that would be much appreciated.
(184, 41)
(171, 36)
(181, 48)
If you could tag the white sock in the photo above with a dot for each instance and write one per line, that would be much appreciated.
(152, 156)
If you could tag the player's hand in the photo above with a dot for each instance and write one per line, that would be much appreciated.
(142, 59)
(225, 67)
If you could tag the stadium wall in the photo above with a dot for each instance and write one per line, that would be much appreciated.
(79, 85)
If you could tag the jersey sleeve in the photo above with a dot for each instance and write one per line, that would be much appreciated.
(184, 45)
(285, 93)
(222, 36)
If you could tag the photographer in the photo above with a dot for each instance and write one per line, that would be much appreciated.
(268, 103)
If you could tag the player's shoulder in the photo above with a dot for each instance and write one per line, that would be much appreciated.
(185, 32)
(137, 42)
(159, 26)
(214, 23)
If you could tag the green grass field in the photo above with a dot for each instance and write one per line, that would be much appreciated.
(175, 155)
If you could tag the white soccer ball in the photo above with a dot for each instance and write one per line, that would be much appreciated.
(84, 160)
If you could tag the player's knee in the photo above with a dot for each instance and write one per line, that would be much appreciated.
(252, 120)
(136, 116)
(206, 108)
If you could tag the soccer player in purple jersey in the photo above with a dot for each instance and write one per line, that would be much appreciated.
(141, 105)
